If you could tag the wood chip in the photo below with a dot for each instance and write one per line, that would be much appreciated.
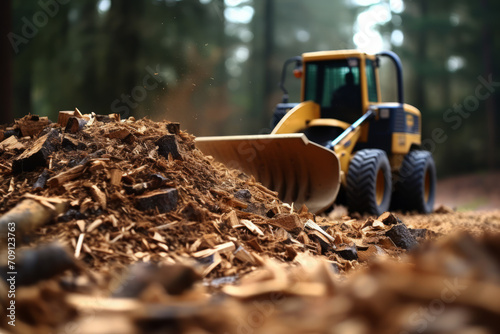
(231, 219)
(158, 237)
(115, 177)
(95, 224)
(98, 196)
(79, 244)
(290, 222)
(66, 176)
(252, 227)
(81, 225)
(11, 143)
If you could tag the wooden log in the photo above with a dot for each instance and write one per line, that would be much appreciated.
(64, 116)
(164, 200)
(29, 214)
(31, 125)
(75, 124)
(38, 154)
(168, 145)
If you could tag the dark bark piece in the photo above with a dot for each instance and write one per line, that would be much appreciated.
(256, 208)
(168, 145)
(402, 237)
(193, 212)
(419, 233)
(174, 128)
(41, 180)
(347, 252)
(37, 155)
(11, 132)
(42, 263)
(72, 144)
(321, 240)
(164, 200)
(243, 194)
(75, 124)
(64, 116)
(290, 252)
(175, 279)
(389, 219)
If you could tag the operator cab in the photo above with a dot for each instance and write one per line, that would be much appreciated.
(335, 85)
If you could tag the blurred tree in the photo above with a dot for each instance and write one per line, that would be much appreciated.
(447, 46)
(6, 114)
(488, 27)
(123, 44)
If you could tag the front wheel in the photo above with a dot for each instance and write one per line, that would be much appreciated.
(369, 182)
(415, 189)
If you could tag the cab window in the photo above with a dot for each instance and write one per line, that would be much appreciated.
(371, 81)
(335, 86)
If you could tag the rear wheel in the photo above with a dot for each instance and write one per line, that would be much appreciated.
(415, 189)
(369, 182)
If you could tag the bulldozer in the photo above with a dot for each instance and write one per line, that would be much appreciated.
(340, 142)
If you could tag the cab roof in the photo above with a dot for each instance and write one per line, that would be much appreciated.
(336, 54)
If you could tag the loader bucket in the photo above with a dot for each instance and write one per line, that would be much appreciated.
(302, 172)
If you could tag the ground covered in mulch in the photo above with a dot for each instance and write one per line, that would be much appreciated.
(130, 228)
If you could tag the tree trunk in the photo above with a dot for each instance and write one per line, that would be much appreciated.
(269, 77)
(6, 113)
(420, 93)
(487, 57)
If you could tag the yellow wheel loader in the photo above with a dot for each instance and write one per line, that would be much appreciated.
(341, 136)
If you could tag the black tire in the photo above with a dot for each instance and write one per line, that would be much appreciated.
(415, 186)
(369, 182)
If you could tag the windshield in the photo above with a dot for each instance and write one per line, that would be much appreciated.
(334, 85)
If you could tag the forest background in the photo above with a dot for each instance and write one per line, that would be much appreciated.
(214, 65)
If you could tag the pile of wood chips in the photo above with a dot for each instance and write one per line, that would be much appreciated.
(152, 234)
(128, 191)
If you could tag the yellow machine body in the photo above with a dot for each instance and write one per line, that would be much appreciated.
(308, 171)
